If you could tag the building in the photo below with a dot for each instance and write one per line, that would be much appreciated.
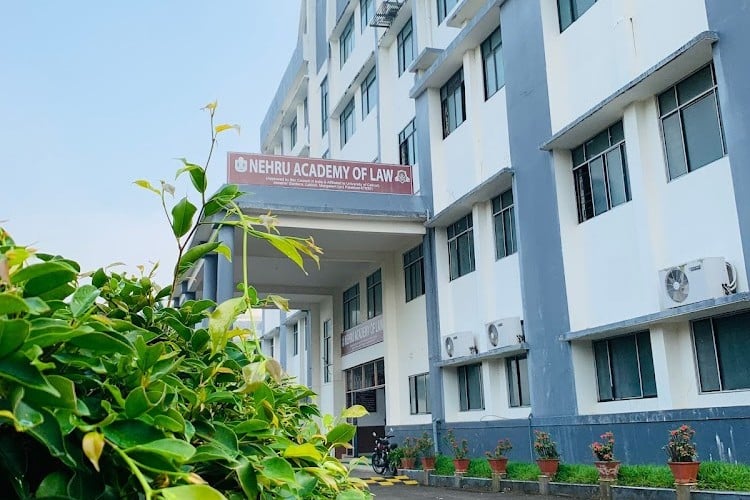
(579, 225)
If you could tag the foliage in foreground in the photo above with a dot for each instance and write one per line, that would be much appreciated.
(106, 393)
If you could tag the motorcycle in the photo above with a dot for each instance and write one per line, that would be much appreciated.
(381, 456)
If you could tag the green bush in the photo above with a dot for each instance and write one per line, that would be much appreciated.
(108, 393)
(577, 474)
(479, 467)
(654, 476)
(724, 476)
(521, 471)
(444, 465)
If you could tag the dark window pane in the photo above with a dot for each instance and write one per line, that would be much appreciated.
(583, 193)
(603, 379)
(733, 345)
(474, 378)
(523, 372)
(463, 396)
(646, 364)
(369, 380)
(413, 394)
(380, 366)
(500, 249)
(674, 146)
(507, 198)
(695, 85)
(616, 133)
(702, 132)
(705, 352)
(513, 382)
(597, 145)
(565, 10)
(598, 185)
(578, 156)
(453, 259)
(510, 235)
(667, 102)
(624, 361)
(616, 177)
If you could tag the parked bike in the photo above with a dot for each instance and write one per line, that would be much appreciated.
(381, 456)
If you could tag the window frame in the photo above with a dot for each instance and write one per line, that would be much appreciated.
(374, 284)
(635, 337)
(369, 92)
(351, 307)
(366, 13)
(464, 386)
(324, 106)
(716, 354)
(519, 394)
(491, 50)
(444, 7)
(454, 233)
(405, 50)
(347, 117)
(414, 272)
(499, 211)
(327, 351)
(573, 10)
(448, 95)
(346, 42)
(295, 338)
(407, 147)
(414, 406)
(293, 133)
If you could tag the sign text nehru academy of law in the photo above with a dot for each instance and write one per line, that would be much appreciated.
(314, 173)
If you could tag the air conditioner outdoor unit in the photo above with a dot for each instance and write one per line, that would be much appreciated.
(456, 345)
(701, 279)
(504, 332)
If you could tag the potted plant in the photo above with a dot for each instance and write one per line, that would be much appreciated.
(427, 451)
(605, 463)
(548, 458)
(682, 455)
(408, 453)
(460, 450)
(497, 459)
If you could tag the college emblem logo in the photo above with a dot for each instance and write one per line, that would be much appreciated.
(402, 177)
(240, 165)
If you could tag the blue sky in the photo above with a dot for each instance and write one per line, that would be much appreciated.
(94, 95)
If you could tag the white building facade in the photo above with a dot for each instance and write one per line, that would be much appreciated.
(578, 231)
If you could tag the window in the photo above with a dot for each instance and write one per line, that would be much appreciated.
(414, 273)
(419, 393)
(346, 42)
(405, 41)
(571, 10)
(293, 133)
(600, 173)
(492, 55)
(722, 347)
(361, 382)
(351, 307)
(461, 247)
(324, 106)
(625, 367)
(470, 395)
(407, 150)
(691, 123)
(295, 339)
(374, 295)
(445, 6)
(346, 123)
(305, 113)
(326, 154)
(518, 381)
(366, 13)
(505, 228)
(327, 351)
(453, 103)
(369, 93)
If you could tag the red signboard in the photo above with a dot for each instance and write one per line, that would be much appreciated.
(317, 173)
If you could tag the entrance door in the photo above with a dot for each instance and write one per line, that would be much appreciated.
(365, 386)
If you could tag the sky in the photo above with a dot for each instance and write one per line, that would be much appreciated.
(95, 95)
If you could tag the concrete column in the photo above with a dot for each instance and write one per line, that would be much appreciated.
(283, 332)
(605, 488)
(683, 490)
(544, 484)
(209, 276)
(225, 269)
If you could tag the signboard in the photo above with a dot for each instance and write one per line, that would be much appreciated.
(318, 173)
(363, 335)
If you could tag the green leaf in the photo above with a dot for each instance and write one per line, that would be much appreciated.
(356, 411)
(353, 494)
(341, 434)
(279, 470)
(54, 484)
(130, 433)
(221, 319)
(250, 426)
(83, 299)
(306, 450)
(41, 270)
(110, 342)
(191, 492)
(221, 199)
(10, 303)
(147, 185)
(50, 435)
(66, 400)
(49, 331)
(172, 449)
(212, 451)
(13, 334)
(169, 423)
(195, 253)
(18, 368)
(136, 404)
(248, 479)
(182, 217)
(36, 305)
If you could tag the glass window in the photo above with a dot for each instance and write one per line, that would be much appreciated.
(346, 41)
(346, 123)
(414, 273)
(518, 381)
(505, 229)
(722, 347)
(453, 103)
(374, 295)
(405, 41)
(293, 133)
(419, 393)
(351, 307)
(600, 173)
(625, 367)
(327, 351)
(571, 10)
(295, 339)
(407, 148)
(470, 393)
(305, 115)
(369, 93)
(691, 123)
(444, 7)
(324, 106)
(461, 247)
(492, 55)
(366, 13)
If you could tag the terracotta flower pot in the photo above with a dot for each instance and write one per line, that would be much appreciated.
(498, 465)
(685, 472)
(408, 463)
(428, 463)
(607, 469)
(548, 466)
(461, 465)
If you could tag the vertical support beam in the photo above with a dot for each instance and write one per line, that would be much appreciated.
(225, 269)
(544, 481)
(209, 276)
(283, 333)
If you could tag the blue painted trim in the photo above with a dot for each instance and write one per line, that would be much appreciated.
(225, 269)
(432, 313)
(210, 262)
(687, 312)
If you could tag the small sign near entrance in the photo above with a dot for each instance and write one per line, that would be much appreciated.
(363, 335)
(318, 173)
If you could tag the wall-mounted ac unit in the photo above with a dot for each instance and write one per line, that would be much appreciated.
(701, 279)
(503, 332)
(456, 345)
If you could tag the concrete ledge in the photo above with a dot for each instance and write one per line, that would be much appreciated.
(574, 490)
(628, 492)
(719, 495)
